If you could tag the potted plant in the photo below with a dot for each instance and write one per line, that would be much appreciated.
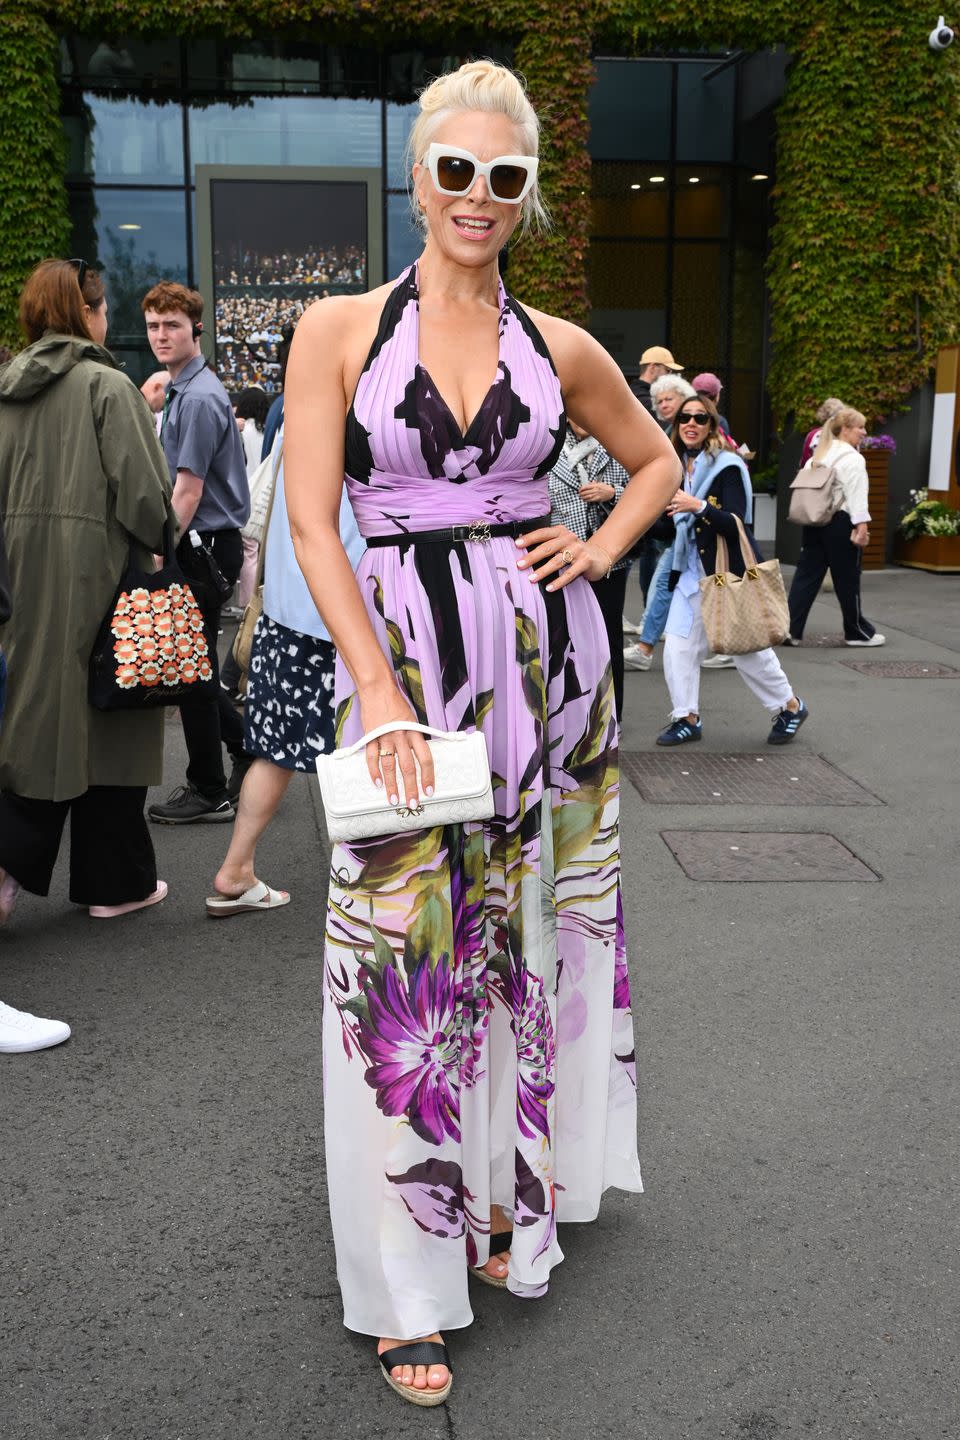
(928, 536)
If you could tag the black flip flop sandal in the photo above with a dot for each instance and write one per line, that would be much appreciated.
(418, 1352)
(498, 1244)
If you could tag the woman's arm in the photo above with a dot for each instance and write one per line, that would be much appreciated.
(319, 382)
(855, 483)
(598, 398)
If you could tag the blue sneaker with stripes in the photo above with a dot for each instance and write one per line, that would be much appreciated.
(680, 732)
(786, 725)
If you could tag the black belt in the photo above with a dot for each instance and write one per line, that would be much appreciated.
(478, 531)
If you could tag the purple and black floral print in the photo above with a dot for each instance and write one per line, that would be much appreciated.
(478, 1042)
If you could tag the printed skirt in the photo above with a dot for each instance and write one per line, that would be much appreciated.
(288, 717)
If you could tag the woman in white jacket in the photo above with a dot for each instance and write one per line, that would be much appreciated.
(837, 546)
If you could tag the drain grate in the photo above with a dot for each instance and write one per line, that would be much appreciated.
(677, 777)
(903, 669)
(752, 856)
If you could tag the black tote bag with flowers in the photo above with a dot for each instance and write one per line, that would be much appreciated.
(151, 649)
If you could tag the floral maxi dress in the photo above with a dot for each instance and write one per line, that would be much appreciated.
(478, 1041)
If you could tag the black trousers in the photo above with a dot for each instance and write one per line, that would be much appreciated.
(610, 595)
(828, 547)
(111, 853)
(207, 727)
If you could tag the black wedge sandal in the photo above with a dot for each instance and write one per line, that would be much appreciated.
(418, 1352)
(499, 1243)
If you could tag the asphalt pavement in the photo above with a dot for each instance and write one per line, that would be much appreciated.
(791, 1271)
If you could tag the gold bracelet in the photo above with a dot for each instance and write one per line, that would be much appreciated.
(606, 554)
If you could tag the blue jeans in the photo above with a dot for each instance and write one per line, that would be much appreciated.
(658, 600)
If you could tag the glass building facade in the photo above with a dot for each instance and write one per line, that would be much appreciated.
(682, 165)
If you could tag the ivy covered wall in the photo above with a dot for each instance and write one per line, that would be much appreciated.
(863, 271)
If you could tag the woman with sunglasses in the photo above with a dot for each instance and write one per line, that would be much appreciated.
(478, 1045)
(82, 482)
(716, 491)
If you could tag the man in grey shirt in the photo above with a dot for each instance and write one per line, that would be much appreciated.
(211, 499)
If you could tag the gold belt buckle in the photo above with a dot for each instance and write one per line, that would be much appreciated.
(479, 532)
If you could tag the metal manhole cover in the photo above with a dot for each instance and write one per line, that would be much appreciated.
(677, 777)
(751, 856)
(903, 669)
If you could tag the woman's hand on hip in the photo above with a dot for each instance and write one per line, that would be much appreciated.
(395, 758)
(556, 555)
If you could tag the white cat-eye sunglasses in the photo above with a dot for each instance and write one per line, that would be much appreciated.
(454, 172)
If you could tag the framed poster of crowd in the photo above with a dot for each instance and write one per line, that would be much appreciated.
(272, 240)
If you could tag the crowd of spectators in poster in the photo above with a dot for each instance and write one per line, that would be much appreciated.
(259, 294)
(327, 265)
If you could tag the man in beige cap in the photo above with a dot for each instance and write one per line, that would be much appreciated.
(654, 362)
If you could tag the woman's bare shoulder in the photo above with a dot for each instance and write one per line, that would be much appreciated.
(337, 320)
(571, 347)
(565, 341)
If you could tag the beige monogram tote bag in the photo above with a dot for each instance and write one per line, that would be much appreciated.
(741, 615)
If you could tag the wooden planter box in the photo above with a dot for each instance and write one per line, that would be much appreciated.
(940, 553)
(878, 476)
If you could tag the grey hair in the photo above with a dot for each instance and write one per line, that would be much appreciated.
(478, 85)
(665, 383)
(829, 408)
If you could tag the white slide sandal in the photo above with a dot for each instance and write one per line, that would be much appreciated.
(258, 897)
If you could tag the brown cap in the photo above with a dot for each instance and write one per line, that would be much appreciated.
(659, 355)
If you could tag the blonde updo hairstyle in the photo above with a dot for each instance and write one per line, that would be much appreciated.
(845, 419)
(478, 85)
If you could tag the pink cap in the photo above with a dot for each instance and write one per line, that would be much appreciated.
(708, 383)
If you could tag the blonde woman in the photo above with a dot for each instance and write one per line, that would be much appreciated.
(478, 1048)
(837, 546)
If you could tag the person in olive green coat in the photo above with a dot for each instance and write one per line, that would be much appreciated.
(82, 478)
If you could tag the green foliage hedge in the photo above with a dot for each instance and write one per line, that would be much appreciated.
(863, 268)
(33, 202)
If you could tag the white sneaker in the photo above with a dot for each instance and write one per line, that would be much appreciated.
(635, 659)
(629, 628)
(20, 1031)
(718, 662)
(871, 644)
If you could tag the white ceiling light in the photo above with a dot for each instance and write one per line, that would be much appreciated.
(657, 179)
(694, 180)
(129, 227)
(634, 187)
(759, 177)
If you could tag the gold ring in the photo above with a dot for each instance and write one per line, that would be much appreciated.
(566, 557)
(386, 754)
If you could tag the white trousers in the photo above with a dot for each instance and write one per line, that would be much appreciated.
(761, 671)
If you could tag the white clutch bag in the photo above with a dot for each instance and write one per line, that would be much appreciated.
(357, 809)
